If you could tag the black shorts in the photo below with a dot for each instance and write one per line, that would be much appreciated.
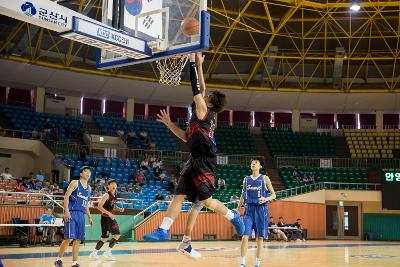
(197, 179)
(108, 226)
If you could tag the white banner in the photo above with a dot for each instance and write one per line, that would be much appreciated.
(325, 163)
(98, 35)
(43, 13)
(222, 160)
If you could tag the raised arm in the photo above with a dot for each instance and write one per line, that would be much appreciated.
(199, 61)
(198, 94)
(166, 120)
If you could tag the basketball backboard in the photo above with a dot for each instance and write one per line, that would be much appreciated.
(158, 22)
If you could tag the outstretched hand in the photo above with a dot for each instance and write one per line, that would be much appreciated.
(199, 58)
(164, 118)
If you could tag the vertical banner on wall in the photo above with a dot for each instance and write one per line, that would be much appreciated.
(110, 152)
(222, 160)
(325, 163)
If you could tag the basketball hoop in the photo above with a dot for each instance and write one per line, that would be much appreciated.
(171, 69)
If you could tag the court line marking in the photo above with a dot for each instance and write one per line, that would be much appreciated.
(170, 250)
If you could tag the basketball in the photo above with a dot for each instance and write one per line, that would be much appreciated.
(190, 26)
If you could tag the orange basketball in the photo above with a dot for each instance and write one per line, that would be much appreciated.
(190, 26)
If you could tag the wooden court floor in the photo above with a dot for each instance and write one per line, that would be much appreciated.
(302, 254)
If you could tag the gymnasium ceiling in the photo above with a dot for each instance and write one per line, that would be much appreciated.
(275, 45)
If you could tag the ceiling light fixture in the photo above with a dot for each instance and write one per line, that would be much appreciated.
(355, 7)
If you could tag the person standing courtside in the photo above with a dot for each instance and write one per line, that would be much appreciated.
(256, 189)
(76, 202)
(109, 224)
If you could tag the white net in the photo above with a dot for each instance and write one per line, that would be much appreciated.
(171, 69)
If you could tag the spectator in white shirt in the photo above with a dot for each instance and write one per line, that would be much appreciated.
(6, 174)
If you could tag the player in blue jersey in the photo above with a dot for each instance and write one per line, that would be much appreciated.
(76, 201)
(257, 191)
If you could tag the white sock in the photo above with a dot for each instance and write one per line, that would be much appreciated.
(166, 223)
(186, 239)
(74, 263)
(109, 250)
(229, 215)
(95, 251)
(243, 260)
(258, 261)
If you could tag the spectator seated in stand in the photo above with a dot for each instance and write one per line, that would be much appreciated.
(137, 189)
(120, 133)
(140, 178)
(169, 196)
(20, 187)
(48, 218)
(292, 234)
(279, 234)
(131, 138)
(302, 235)
(28, 183)
(159, 196)
(37, 186)
(39, 176)
(162, 177)
(221, 183)
(144, 136)
(144, 165)
(6, 174)
(234, 198)
(296, 174)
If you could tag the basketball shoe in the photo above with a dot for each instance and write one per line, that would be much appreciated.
(157, 235)
(237, 223)
(187, 249)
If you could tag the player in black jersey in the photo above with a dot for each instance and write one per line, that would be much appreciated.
(109, 225)
(197, 180)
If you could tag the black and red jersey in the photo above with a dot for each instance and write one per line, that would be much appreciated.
(200, 134)
(109, 205)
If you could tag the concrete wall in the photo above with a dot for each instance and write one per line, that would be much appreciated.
(26, 156)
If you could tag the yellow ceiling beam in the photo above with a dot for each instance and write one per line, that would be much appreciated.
(318, 5)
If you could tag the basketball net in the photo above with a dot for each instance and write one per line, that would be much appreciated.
(171, 69)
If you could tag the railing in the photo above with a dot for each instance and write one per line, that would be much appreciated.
(107, 114)
(282, 161)
(16, 103)
(326, 185)
(45, 198)
(276, 125)
(156, 206)
(126, 202)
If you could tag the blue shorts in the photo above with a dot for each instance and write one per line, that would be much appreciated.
(256, 218)
(75, 228)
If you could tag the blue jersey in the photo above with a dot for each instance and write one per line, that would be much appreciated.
(79, 199)
(254, 189)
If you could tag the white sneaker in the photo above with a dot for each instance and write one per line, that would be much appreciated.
(186, 248)
(93, 256)
(108, 255)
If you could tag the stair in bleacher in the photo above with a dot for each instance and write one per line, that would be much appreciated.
(341, 148)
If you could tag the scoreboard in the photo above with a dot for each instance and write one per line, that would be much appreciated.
(391, 189)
